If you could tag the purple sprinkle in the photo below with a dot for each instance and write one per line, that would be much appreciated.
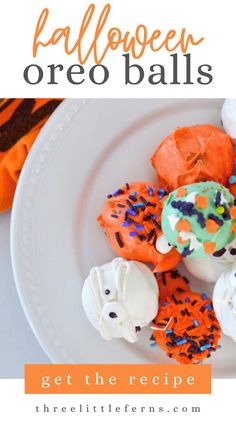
(133, 233)
(139, 227)
(166, 303)
(186, 252)
(226, 214)
(218, 199)
(215, 218)
(187, 299)
(125, 224)
(131, 212)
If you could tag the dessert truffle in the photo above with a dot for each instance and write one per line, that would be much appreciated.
(193, 154)
(199, 219)
(186, 328)
(224, 301)
(120, 298)
(131, 219)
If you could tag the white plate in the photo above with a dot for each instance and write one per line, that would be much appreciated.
(86, 150)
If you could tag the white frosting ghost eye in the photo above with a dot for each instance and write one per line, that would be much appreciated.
(109, 293)
(162, 244)
(114, 312)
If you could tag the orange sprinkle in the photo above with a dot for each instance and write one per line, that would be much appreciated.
(201, 202)
(209, 247)
(233, 212)
(211, 226)
(234, 227)
(183, 225)
(181, 192)
(181, 241)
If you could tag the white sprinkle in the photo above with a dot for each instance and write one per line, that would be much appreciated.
(173, 219)
(191, 197)
(194, 243)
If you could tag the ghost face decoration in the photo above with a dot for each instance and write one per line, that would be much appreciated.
(120, 298)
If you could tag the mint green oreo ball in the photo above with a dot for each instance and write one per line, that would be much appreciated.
(198, 219)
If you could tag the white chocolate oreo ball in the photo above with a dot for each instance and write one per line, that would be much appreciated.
(206, 269)
(120, 298)
(228, 116)
(224, 301)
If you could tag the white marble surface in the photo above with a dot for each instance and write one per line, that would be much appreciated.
(18, 344)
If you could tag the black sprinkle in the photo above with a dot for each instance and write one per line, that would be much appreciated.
(148, 217)
(202, 309)
(186, 280)
(143, 200)
(174, 274)
(118, 239)
(120, 205)
(233, 251)
(109, 196)
(174, 299)
(180, 290)
(127, 186)
(194, 302)
(137, 329)
(114, 216)
(163, 279)
(112, 315)
(141, 237)
(219, 253)
(151, 234)
(133, 198)
(156, 224)
(130, 204)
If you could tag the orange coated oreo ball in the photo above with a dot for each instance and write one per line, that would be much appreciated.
(131, 219)
(171, 282)
(187, 328)
(193, 154)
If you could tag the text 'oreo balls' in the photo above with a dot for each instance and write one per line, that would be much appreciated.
(199, 219)
(131, 219)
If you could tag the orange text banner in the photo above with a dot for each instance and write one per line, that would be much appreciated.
(117, 379)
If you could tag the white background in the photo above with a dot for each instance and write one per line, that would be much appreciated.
(15, 404)
(213, 20)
